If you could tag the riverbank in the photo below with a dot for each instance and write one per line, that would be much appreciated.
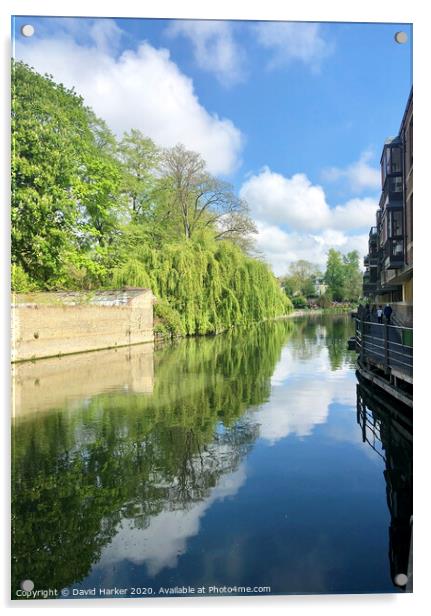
(308, 312)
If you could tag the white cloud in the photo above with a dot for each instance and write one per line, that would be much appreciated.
(214, 48)
(141, 89)
(298, 401)
(293, 201)
(302, 206)
(293, 42)
(354, 214)
(280, 248)
(360, 175)
(160, 544)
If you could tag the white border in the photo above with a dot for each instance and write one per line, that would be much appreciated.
(394, 11)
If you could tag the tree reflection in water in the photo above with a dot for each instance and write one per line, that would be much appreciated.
(119, 461)
(124, 456)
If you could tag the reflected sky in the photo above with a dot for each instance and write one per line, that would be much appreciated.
(243, 464)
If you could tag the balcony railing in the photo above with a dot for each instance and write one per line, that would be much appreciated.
(371, 260)
(388, 347)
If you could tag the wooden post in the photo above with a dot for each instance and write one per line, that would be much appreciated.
(385, 334)
(362, 342)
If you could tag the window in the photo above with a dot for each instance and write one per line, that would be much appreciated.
(388, 161)
(384, 233)
(397, 296)
(395, 160)
(397, 223)
(396, 185)
(397, 248)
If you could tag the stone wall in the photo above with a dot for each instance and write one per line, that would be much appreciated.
(60, 324)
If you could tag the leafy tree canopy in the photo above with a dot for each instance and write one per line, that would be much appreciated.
(89, 212)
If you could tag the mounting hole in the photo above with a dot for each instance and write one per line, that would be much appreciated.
(401, 37)
(27, 585)
(27, 30)
(401, 579)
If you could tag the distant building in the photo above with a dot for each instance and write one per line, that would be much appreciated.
(388, 276)
(320, 287)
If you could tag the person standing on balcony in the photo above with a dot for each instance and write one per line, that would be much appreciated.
(379, 314)
(388, 311)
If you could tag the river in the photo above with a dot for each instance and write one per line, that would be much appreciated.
(209, 465)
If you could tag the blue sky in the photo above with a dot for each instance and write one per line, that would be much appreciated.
(293, 114)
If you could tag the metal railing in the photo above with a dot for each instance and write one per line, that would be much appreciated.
(390, 347)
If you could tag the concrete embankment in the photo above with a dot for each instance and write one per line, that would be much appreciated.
(55, 324)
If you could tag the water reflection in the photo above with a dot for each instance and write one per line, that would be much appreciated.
(118, 459)
(386, 426)
(58, 381)
(309, 377)
(207, 458)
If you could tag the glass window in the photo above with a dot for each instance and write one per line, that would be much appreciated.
(396, 185)
(388, 160)
(397, 223)
(395, 160)
(397, 248)
(384, 234)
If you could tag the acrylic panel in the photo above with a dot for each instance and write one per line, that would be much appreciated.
(212, 262)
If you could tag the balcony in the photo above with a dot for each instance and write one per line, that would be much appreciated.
(393, 253)
(392, 191)
(369, 283)
(371, 260)
(369, 289)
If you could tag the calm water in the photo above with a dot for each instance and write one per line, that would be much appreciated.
(251, 459)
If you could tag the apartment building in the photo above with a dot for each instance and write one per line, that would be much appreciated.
(388, 276)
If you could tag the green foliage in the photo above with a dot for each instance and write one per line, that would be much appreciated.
(299, 301)
(301, 279)
(343, 276)
(335, 275)
(139, 157)
(325, 301)
(210, 286)
(89, 213)
(353, 284)
(167, 320)
(65, 181)
(20, 280)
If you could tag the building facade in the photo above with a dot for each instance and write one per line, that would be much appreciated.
(388, 276)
